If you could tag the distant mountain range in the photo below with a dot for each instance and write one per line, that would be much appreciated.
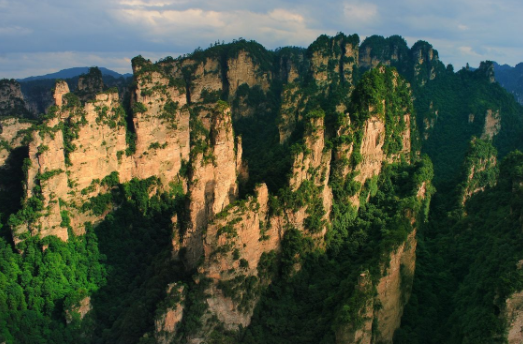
(73, 72)
(511, 78)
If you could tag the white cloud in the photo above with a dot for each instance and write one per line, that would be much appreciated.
(162, 21)
(468, 51)
(360, 12)
(284, 15)
(276, 26)
(140, 3)
(14, 31)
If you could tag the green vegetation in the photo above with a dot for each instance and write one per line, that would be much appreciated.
(210, 96)
(71, 101)
(131, 247)
(37, 288)
(308, 305)
(448, 101)
(12, 176)
(458, 296)
(139, 107)
(480, 168)
(48, 174)
(374, 87)
(111, 180)
(170, 110)
(136, 241)
(90, 84)
(157, 145)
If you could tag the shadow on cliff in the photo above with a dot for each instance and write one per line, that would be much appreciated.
(136, 243)
(12, 187)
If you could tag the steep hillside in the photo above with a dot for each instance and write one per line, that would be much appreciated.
(469, 293)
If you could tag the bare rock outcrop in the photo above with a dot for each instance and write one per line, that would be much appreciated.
(492, 124)
(161, 124)
(312, 165)
(214, 180)
(78, 146)
(394, 288)
(480, 169)
(168, 321)
(206, 81)
(12, 101)
(60, 90)
(80, 310)
(391, 293)
(11, 135)
(513, 314)
(242, 70)
(371, 149)
(233, 246)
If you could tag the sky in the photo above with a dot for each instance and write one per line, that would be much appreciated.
(44, 36)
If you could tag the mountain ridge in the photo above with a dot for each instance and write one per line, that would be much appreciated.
(73, 72)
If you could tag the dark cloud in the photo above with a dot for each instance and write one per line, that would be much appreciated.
(47, 35)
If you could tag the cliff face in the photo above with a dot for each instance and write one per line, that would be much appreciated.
(169, 320)
(242, 70)
(514, 317)
(237, 238)
(492, 124)
(11, 99)
(206, 80)
(233, 246)
(80, 145)
(161, 125)
(293, 64)
(383, 304)
(480, 168)
(371, 150)
(230, 241)
(214, 180)
(11, 135)
(426, 62)
(394, 289)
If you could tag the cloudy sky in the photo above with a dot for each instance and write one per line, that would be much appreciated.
(43, 36)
